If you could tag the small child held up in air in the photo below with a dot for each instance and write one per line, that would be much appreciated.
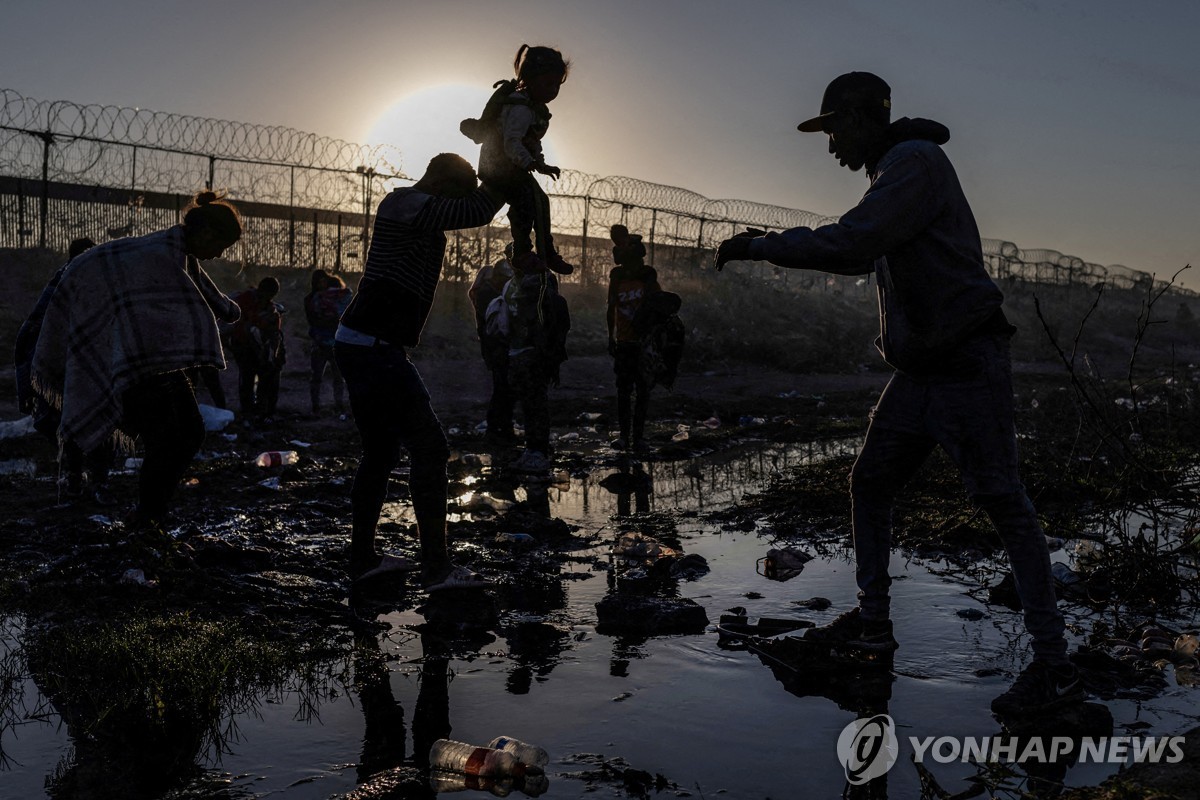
(510, 131)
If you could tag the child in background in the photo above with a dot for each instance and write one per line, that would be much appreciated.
(510, 132)
(323, 308)
(630, 283)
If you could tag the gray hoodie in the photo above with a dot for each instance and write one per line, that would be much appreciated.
(914, 229)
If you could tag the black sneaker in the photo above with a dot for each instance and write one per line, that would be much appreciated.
(851, 630)
(1040, 687)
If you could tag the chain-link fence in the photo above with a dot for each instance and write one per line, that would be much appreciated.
(69, 170)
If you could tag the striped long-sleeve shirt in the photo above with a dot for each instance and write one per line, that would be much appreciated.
(404, 263)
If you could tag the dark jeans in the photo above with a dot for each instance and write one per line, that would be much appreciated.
(971, 418)
(627, 365)
(319, 357)
(391, 409)
(161, 411)
(258, 385)
(500, 407)
(528, 215)
(530, 384)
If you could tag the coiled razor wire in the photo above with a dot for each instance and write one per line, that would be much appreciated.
(309, 198)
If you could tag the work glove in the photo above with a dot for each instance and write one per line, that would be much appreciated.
(737, 248)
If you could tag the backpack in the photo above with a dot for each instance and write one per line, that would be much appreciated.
(478, 130)
(495, 319)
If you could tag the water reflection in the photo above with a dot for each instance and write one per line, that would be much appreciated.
(695, 484)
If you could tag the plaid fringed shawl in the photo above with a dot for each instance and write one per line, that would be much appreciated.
(123, 311)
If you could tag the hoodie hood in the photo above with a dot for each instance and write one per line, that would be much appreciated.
(907, 129)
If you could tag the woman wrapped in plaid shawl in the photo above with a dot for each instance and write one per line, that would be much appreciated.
(127, 318)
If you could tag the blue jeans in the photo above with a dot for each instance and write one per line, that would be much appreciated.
(391, 408)
(970, 415)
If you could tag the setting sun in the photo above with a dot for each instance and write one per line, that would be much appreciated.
(425, 123)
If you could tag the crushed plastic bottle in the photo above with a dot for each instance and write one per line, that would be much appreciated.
(276, 458)
(528, 754)
(467, 759)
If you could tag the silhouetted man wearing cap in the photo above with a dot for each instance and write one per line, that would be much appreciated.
(942, 329)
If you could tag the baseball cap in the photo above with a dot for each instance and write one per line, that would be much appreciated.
(852, 90)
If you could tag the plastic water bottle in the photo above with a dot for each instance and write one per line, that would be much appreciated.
(471, 760)
(528, 754)
(275, 458)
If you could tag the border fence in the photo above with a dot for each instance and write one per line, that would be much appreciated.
(69, 170)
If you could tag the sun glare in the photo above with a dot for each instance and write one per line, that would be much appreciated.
(424, 123)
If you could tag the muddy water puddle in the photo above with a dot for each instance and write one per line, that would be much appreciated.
(711, 720)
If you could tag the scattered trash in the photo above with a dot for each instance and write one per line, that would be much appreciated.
(454, 432)
(270, 483)
(13, 429)
(712, 422)
(641, 547)
(622, 697)
(299, 443)
(782, 564)
(1086, 554)
(590, 416)
(970, 614)
(137, 576)
(814, 603)
(518, 539)
(467, 759)
(133, 464)
(215, 419)
(570, 436)
(681, 434)
(748, 420)
(229, 437)
(100, 519)
(275, 458)
(528, 754)
(561, 477)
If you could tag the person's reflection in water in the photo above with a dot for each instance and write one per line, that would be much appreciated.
(534, 588)
(383, 717)
(630, 483)
(865, 690)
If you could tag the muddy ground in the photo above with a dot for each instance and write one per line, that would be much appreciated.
(256, 559)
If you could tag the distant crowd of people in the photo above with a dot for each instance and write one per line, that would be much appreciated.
(106, 354)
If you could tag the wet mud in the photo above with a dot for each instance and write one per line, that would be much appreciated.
(606, 548)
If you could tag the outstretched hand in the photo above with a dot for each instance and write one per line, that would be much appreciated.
(737, 248)
(547, 169)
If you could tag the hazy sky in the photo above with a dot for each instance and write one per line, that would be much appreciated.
(1074, 124)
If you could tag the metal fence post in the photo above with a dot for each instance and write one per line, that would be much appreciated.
(292, 217)
(653, 224)
(583, 252)
(212, 172)
(44, 211)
